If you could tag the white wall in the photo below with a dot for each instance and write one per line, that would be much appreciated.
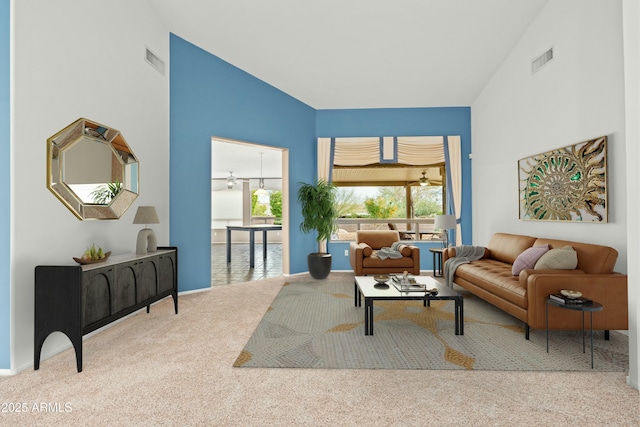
(631, 26)
(578, 96)
(84, 60)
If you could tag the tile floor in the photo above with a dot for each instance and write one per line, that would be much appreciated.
(238, 271)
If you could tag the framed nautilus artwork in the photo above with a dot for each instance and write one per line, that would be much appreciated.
(565, 184)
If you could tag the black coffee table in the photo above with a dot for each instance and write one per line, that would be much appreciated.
(366, 286)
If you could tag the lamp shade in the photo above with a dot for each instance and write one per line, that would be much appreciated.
(444, 222)
(146, 215)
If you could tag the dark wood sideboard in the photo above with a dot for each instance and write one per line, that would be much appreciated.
(78, 299)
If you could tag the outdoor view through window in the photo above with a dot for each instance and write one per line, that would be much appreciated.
(383, 207)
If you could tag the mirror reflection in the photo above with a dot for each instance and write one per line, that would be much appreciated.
(92, 170)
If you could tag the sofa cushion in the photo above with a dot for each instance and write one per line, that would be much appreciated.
(558, 259)
(592, 259)
(374, 262)
(528, 258)
(377, 238)
(506, 247)
(494, 277)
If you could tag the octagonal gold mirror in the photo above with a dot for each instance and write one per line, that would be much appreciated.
(92, 170)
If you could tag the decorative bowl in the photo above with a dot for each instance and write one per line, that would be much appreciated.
(381, 279)
(571, 294)
(92, 261)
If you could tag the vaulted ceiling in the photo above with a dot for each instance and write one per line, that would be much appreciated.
(340, 54)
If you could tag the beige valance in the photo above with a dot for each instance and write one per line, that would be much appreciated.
(420, 150)
(356, 151)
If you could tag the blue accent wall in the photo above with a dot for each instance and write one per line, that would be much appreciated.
(407, 122)
(5, 194)
(210, 97)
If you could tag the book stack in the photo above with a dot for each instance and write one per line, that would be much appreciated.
(564, 300)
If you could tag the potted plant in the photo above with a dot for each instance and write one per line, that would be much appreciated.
(318, 212)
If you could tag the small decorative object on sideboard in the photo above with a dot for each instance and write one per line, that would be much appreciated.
(93, 255)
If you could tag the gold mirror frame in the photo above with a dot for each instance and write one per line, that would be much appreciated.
(92, 170)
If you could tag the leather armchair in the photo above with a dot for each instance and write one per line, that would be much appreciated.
(363, 254)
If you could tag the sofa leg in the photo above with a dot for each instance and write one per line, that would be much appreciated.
(526, 331)
(606, 334)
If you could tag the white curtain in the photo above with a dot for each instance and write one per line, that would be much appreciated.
(324, 170)
(324, 159)
(455, 172)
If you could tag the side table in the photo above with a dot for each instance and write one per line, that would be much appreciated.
(437, 261)
(585, 307)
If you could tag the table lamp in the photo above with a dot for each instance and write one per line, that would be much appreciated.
(446, 223)
(146, 237)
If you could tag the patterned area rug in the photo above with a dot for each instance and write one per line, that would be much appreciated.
(315, 324)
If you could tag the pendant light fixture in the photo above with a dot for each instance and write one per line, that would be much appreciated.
(231, 181)
(261, 190)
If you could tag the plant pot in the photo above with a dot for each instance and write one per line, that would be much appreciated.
(319, 264)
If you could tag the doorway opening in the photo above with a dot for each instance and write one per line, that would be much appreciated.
(249, 202)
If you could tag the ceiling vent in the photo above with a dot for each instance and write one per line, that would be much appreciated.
(154, 61)
(541, 61)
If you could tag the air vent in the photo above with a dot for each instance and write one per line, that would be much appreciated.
(154, 61)
(541, 61)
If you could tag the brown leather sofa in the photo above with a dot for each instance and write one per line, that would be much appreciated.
(363, 254)
(525, 296)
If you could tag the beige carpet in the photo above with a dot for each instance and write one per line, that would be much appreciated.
(176, 370)
(316, 325)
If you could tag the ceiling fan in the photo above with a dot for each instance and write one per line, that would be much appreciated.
(423, 181)
(231, 180)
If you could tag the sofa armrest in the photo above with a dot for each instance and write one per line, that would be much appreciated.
(415, 255)
(451, 253)
(608, 289)
(526, 274)
(356, 254)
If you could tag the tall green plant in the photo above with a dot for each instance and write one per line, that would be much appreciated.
(318, 209)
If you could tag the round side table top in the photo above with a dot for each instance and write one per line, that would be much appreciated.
(589, 306)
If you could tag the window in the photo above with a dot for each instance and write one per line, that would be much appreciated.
(382, 196)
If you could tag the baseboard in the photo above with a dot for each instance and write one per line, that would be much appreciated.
(303, 274)
(194, 291)
(633, 384)
(7, 372)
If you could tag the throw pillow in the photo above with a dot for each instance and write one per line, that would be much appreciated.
(528, 258)
(558, 259)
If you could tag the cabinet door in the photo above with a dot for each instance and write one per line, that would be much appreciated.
(96, 299)
(167, 267)
(147, 279)
(123, 291)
